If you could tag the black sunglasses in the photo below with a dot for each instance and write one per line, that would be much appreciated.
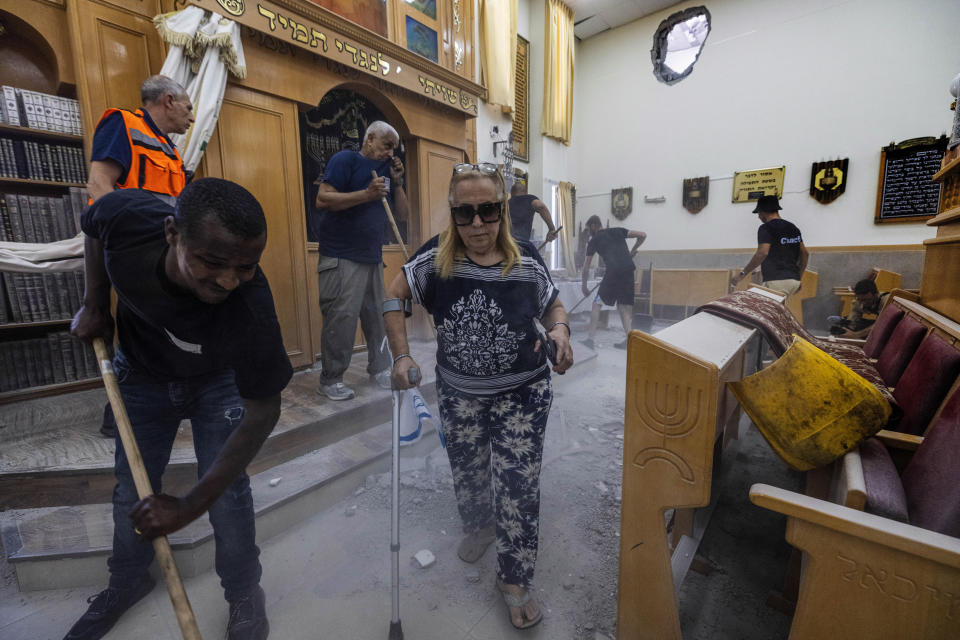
(488, 211)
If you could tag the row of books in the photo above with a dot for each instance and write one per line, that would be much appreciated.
(26, 218)
(39, 297)
(56, 162)
(25, 108)
(54, 359)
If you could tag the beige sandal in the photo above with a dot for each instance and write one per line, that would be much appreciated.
(519, 602)
(474, 545)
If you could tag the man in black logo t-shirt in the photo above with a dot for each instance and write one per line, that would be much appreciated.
(781, 255)
(199, 340)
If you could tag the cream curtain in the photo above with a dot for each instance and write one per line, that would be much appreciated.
(203, 47)
(565, 197)
(498, 56)
(557, 117)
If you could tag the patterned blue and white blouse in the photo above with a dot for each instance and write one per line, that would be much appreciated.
(485, 334)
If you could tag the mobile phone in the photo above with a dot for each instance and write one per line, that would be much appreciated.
(546, 342)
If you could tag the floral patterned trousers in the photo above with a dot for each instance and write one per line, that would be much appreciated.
(495, 447)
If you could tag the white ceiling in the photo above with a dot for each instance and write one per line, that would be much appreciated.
(595, 16)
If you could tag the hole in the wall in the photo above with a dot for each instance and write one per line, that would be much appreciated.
(678, 42)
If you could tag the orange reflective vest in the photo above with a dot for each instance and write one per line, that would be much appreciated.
(155, 164)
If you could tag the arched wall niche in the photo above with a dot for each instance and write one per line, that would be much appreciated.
(35, 49)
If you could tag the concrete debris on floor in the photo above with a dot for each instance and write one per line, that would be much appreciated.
(328, 576)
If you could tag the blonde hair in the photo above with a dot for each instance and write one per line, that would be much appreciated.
(450, 247)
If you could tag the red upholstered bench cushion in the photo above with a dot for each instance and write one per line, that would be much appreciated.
(931, 480)
(885, 493)
(925, 383)
(887, 321)
(899, 349)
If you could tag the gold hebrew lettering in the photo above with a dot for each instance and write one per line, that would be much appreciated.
(363, 59)
(299, 32)
(383, 64)
(282, 21)
(317, 37)
(352, 50)
(269, 15)
(339, 45)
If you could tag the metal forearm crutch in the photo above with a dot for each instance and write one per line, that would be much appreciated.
(178, 595)
(396, 631)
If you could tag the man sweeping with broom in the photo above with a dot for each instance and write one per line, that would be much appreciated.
(199, 339)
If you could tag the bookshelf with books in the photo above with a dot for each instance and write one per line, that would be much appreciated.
(42, 194)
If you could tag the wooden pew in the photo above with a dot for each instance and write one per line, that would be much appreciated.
(808, 289)
(678, 416)
(845, 483)
(688, 288)
(867, 576)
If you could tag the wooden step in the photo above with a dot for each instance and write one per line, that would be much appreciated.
(67, 546)
(56, 547)
(54, 447)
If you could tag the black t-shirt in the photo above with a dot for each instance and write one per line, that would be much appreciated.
(611, 244)
(784, 239)
(521, 216)
(167, 332)
(485, 334)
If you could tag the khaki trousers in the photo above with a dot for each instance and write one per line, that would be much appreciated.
(350, 291)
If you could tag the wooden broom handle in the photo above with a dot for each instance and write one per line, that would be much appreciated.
(393, 223)
(181, 605)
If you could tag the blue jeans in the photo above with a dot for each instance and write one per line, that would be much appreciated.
(214, 407)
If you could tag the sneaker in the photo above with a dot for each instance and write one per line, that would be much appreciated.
(248, 617)
(106, 608)
(621, 345)
(108, 430)
(336, 391)
(588, 343)
(382, 379)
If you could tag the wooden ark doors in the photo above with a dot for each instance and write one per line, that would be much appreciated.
(436, 162)
(256, 145)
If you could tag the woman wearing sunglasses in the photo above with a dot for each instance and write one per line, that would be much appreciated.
(484, 290)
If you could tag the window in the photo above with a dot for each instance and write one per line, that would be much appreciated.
(678, 42)
(555, 262)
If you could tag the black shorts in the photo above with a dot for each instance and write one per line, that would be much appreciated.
(617, 287)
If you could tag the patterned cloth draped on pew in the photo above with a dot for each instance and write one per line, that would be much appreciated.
(777, 325)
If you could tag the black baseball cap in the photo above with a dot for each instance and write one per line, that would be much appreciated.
(767, 204)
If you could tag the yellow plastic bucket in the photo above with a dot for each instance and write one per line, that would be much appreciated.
(810, 407)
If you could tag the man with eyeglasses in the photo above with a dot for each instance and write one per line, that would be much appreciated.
(350, 268)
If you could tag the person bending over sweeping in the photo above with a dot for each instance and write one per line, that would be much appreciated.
(199, 339)
(484, 289)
